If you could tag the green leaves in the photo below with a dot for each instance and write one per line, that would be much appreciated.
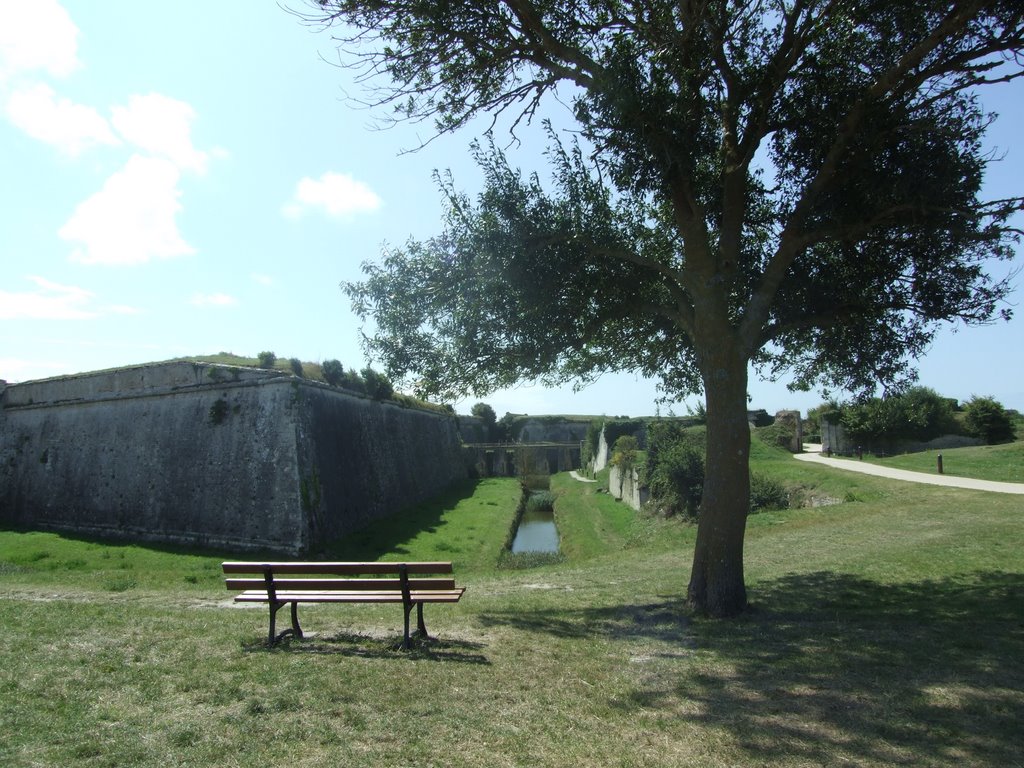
(801, 184)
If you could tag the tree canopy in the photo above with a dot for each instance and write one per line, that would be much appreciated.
(790, 183)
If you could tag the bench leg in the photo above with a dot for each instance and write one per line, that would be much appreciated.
(296, 630)
(419, 620)
(419, 623)
(272, 637)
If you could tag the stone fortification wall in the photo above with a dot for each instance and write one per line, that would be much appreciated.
(473, 429)
(552, 429)
(626, 487)
(516, 460)
(603, 454)
(361, 460)
(213, 455)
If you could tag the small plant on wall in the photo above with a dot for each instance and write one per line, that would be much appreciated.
(218, 411)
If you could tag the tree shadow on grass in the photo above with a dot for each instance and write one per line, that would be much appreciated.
(664, 621)
(372, 647)
(829, 668)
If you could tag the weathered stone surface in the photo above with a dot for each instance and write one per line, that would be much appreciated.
(626, 487)
(553, 430)
(792, 421)
(212, 455)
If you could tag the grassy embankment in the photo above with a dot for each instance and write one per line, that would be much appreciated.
(884, 630)
(1004, 463)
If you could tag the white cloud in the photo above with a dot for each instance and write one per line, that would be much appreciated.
(336, 194)
(70, 127)
(36, 35)
(266, 280)
(51, 301)
(162, 126)
(132, 219)
(213, 300)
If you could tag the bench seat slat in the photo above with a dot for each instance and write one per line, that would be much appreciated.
(344, 585)
(362, 596)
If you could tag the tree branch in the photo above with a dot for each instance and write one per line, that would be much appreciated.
(758, 307)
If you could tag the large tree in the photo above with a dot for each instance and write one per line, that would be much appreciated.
(789, 183)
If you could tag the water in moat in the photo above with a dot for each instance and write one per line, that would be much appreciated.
(537, 531)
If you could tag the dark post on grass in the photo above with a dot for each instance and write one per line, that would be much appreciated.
(938, 462)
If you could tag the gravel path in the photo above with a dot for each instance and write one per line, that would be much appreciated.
(952, 481)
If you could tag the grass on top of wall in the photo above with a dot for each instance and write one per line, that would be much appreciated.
(884, 630)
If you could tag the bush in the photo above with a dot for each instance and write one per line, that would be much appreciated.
(674, 471)
(267, 359)
(352, 381)
(377, 385)
(333, 372)
(986, 418)
(917, 414)
(928, 415)
(624, 453)
(296, 365)
(766, 493)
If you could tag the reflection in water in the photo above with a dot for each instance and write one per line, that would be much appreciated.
(537, 532)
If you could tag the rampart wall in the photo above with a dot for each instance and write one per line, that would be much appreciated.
(211, 455)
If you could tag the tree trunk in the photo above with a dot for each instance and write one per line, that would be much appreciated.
(716, 582)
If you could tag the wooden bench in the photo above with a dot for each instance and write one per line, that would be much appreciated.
(411, 584)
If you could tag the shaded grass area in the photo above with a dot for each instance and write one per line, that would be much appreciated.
(886, 630)
(467, 525)
(1002, 463)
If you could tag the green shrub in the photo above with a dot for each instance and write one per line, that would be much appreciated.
(296, 365)
(919, 413)
(766, 493)
(218, 411)
(267, 359)
(985, 418)
(376, 384)
(928, 415)
(333, 372)
(674, 471)
(352, 381)
(624, 453)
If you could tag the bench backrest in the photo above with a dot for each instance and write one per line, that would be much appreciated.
(317, 576)
(338, 569)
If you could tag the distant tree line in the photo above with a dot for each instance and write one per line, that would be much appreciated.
(919, 414)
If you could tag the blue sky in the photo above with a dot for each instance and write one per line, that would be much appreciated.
(189, 178)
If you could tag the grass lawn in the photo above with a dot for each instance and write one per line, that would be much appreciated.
(884, 630)
(1004, 463)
